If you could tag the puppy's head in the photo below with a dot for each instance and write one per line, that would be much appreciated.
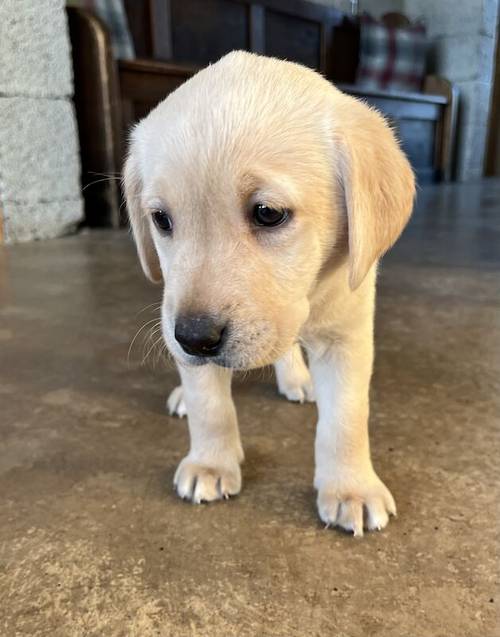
(240, 187)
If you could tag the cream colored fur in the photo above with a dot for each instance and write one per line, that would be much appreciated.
(252, 129)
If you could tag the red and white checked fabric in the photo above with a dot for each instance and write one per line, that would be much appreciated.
(391, 58)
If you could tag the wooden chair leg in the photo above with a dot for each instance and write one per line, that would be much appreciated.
(97, 105)
(447, 126)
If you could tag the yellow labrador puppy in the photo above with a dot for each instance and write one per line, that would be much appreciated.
(263, 197)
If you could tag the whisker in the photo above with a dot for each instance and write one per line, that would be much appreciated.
(151, 349)
(152, 333)
(161, 351)
(111, 174)
(155, 305)
(98, 181)
(157, 320)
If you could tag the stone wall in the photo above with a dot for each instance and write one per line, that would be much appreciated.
(462, 36)
(39, 165)
(374, 7)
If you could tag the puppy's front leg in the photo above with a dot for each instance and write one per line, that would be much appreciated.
(211, 470)
(292, 376)
(347, 484)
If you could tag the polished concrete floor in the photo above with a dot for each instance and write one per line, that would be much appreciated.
(93, 541)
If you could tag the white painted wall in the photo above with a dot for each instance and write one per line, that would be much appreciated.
(39, 164)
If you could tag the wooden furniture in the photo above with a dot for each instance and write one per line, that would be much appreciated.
(199, 32)
(424, 122)
(144, 83)
(110, 96)
(173, 38)
(97, 105)
(492, 163)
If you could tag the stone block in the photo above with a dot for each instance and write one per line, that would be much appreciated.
(474, 103)
(446, 17)
(34, 48)
(38, 150)
(486, 58)
(41, 220)
(471, 150)
(464, 58)
(489, 17)
(375, 7)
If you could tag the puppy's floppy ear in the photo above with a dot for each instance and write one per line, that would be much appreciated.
(378, 184)
(139, 222)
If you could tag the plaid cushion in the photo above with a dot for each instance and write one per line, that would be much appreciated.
(391, 58)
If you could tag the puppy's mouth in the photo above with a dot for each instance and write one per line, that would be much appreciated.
(235, 353)
(201, 340)
(197, 361)
(239, 361)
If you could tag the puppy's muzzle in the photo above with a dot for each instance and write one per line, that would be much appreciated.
(200, 335)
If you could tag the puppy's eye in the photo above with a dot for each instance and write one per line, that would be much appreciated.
(270, 217)
(162, 221)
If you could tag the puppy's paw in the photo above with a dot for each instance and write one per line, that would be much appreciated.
(297, 391)
(175, 403)
(295, 384)
(293, 377)
(202, 483)
(365, 504)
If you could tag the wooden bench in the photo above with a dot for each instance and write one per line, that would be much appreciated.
(424, 122)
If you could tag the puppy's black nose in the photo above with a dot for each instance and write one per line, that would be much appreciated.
(199, 335)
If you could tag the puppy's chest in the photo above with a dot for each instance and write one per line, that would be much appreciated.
(336, 313)
(321, 330)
